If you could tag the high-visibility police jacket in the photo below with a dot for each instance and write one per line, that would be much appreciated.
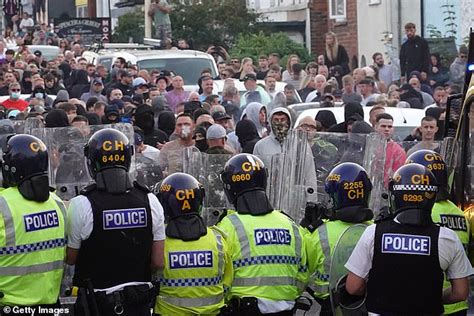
(32, 249)
(268, 254)
(194, 276)
(447, 214)
(320, 245)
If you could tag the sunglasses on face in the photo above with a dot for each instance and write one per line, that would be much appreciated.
(15, 90)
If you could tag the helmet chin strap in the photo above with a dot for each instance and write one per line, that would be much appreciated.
(113, 180)
(36, 188)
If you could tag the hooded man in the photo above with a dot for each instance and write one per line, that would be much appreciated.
(352, 112)
(95, 90)
(257, 113)
(247, 135)
(144, 118)
(275, 143)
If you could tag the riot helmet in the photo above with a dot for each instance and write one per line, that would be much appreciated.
(243, 173)
(108, 148)
(181, 194)
(24, 156)
(348, 185)
(412, 186)
(435, 163)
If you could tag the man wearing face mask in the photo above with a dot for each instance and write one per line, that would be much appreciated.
(171, 153)
(280, 122)
(39, 92)
(14, 101)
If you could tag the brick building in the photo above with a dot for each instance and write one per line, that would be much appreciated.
(339, 17)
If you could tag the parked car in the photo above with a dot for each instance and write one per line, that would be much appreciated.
(404, 120)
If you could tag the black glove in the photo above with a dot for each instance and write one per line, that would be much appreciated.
(313, 215)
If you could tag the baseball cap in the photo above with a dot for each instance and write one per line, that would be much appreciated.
(38, 53)
(111, 109)
(138, 138)
(164, 73)
(125, 73)
(219, 116)
(13, 113)
(97, 81)
(215, 131)
(250, 76)
(139, 81)
(118, 103)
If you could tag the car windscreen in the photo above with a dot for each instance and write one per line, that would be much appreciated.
(188, 68)
(106, 61)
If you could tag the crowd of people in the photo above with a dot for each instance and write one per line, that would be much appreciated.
(70, 92)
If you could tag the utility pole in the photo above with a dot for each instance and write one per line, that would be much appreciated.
(148, 19)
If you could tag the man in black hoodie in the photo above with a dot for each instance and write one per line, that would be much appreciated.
(144, 118)
(352, 112)
(414, 53)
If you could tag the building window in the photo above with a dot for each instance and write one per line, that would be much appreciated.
(81, 11)
(337, 9)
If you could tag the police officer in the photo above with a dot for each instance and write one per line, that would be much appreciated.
(349, 187)
(116, 233)
(267, 247)
(198, 265)
(444, 212)
(404, 258)
(33, 227)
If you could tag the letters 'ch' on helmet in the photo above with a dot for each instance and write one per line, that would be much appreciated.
(108, 148)
(243, 173)
(24, 156)
(434, 162)
(181, 194)
(412, 186)
(348, 185)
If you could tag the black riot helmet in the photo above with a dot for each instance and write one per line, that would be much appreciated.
(434, 162)
(181, 194)
(108, 148)
(24, 157)
(412, 186)
(243, 173)
(348, 185)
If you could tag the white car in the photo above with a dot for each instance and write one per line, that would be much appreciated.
(404, 119)
(187, 63)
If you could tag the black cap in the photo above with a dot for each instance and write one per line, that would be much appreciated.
(219, 116)
(250, 77)
(38, 53)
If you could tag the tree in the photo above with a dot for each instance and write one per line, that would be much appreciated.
(130, 25)
(254, 45)
(211, 22)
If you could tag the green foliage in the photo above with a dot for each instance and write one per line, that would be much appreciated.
(211, 22)
(254, 45)
(130, 25)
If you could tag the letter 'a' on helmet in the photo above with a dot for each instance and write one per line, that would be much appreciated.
(181, 194)
(412, 186)
(434, 162)
(108, 148)
(24, 156)
(348, 185)
(243, 173)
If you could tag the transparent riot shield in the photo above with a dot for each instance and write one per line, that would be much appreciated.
(291, 175)
(67, 166)
(343, 304)
(148, 170)
(298, 174)
(32, 123)
(207, 169)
